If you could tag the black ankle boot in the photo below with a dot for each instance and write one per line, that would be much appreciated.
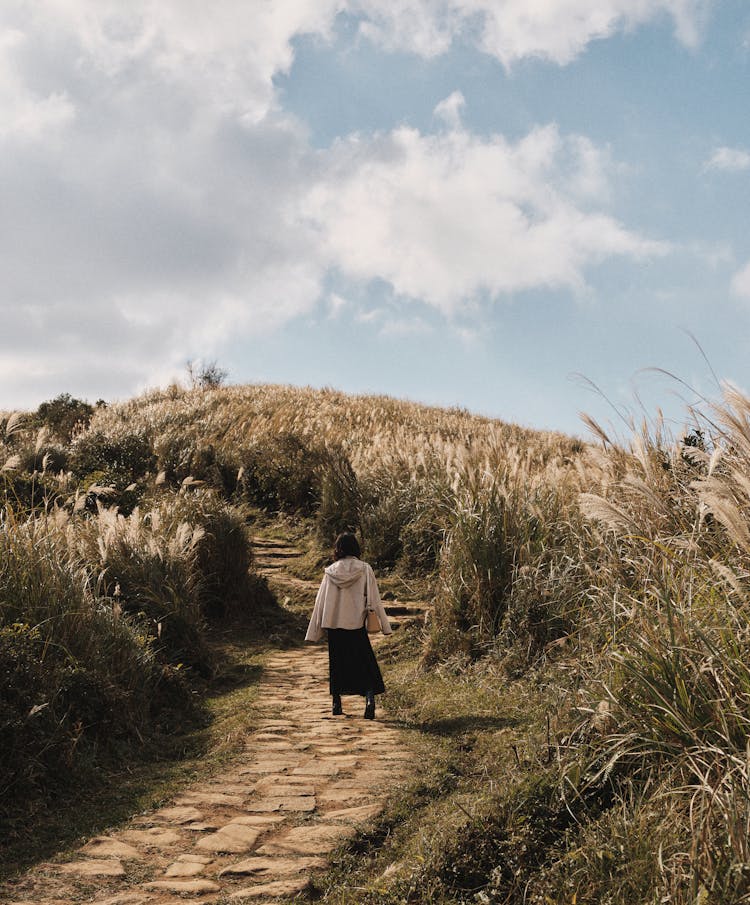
(337, 709)
(369, 706)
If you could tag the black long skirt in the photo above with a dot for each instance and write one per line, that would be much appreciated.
(352, 667)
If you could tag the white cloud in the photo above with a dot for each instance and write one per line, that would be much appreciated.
(225, 52)
(557, 30)
(26, 115)
(449, 109)
(740, 285)
(336, 304)
(446, 219)
(731, 160)
(152, 188)
(405, 327)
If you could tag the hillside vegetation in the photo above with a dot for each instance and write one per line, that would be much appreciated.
(594, 595)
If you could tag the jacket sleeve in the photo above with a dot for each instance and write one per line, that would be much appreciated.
(315, 628)
(374, 602)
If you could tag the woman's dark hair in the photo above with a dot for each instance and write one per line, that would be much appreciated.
(346, 544)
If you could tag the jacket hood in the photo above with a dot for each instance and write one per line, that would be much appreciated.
(346, 572)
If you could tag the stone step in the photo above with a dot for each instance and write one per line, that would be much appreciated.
(404, 610)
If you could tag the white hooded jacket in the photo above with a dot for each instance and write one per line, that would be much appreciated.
(341, 599)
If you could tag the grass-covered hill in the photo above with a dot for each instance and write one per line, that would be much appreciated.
(594, 596)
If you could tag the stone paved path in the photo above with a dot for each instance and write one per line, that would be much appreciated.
(303, 785)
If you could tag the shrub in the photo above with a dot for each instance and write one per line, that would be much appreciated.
(282, 473)
(182, 457)
(124, 458)
(147, 563)
(77, 679)
(223, 553)
(26, 492)
(64, 416)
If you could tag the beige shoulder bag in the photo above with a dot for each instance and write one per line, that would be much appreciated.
(372, 622)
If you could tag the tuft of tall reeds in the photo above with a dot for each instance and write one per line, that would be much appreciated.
(79, 679)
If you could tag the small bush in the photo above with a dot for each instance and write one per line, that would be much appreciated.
(223, 552)
(124, 459)
(182, 457)
(147, 563)
(282, 473)
(26, 492)
(64, 416)
(77, 680)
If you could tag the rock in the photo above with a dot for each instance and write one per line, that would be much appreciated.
(343, 796)
(272, 866)
(188, 866)
(154, 838)
(232, 838)
(178, 815)
(316, 768)
(275, 790)
(355, 815)
(107, 847)
(269, 766)
(287, 803)
(277, 888)
(96, 867)
(184, 887)
(190, 798)
(272, 780)
(259, 820)
(308, 840)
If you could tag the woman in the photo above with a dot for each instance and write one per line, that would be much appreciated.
(347, 592)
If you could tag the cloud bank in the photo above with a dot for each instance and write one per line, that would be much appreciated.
(157, 201)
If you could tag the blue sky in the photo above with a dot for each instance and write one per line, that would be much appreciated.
(463, 202)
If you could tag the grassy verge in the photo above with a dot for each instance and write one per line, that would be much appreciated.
(108, 796)
(479, 818)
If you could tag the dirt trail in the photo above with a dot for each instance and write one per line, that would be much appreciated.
(303, 784)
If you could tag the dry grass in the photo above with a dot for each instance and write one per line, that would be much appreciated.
(613, 576)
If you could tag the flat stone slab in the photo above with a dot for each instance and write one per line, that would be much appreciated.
(178, 815)
(355, 815)
(277, 888)
(269, 766)
(308, 840)
(95, 867)
(231, 839)
(154, 838)
(228, 788)
(343, 796)
(272, 780)
(188, 866)
(259, 820)
(317, 768)
(212, 798)
(107, 847)
(279, 790)
(184, 887)
(272, 866)
(287, 803)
